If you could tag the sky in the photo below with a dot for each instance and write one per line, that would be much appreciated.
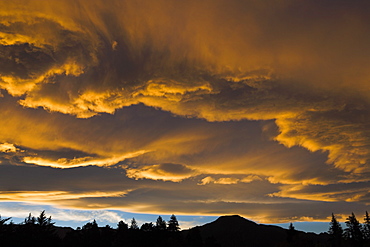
(120, 109)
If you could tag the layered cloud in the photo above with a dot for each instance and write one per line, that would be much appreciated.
(211, 94)
(171, 172)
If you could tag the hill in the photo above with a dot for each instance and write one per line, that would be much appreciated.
(236, 231)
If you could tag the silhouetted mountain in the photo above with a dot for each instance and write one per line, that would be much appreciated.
(236, 231)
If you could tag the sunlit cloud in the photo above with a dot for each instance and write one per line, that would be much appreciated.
(51, 196)
(170, 172)
(249, 93)
(84, 161)
(7, 148)
(229, 180)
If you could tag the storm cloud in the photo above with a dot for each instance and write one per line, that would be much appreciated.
(187, 104)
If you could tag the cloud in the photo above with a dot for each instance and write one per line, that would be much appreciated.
(274, 94)
(97, 188)
(7, 148)
(206, 180)
(74, 68)
(78, 162)
(348, 192)
(167, 172)
(229, 180)
(51, 196)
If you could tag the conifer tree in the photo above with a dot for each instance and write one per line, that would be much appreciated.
(366, 226)
(3, 227)
(335, 231)
(43, 221)
(160, 224)
(354, 230)
(2, 221)
(291, 233)
(134, 225)
(30, 220)
(173, 224)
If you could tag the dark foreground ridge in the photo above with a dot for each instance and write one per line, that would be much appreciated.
(226, 231)
(239, 232)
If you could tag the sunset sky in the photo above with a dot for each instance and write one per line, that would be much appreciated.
(119, 109)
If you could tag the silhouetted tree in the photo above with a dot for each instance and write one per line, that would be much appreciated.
(354, 230)
(122, 226)
(41, 220)
(5, 231)
(121, 234)
(90, 225)
(366, 226)
(160, 224)
(90, 234)
(291, 233)
(134, 225)
(147, 227)
(30, 220)
(38, 230)
(173, 224)
(2, 221)
(44, 221)
(335, 231)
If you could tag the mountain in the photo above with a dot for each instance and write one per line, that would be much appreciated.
(236, 231)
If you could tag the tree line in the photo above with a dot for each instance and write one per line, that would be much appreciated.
(355, 234)
(40, 231)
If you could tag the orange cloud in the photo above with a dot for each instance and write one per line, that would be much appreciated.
(229, 180)
(83, 161)
(166, 172)
(52, 197)
(102, 84)
(7, 148)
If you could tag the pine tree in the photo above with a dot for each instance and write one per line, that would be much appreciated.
(366, 226)
(160, 224)
(335, 231)
(173, 224)
(354, 230)
(43, 221)
(134, 225)
(30, 220)
(2, 221)
(4, 228)
(291, 233)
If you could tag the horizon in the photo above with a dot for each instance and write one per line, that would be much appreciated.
(116, 108)
(112, 217)
(315, 227)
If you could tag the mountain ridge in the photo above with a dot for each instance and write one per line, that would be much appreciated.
(236, 231)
